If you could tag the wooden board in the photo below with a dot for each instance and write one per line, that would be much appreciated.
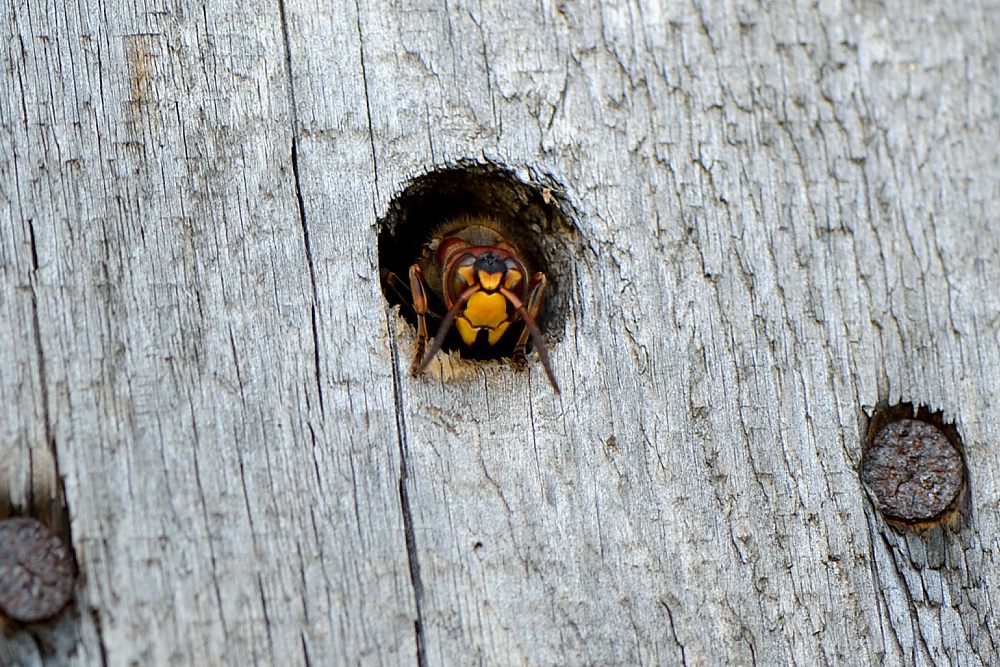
(785, 213)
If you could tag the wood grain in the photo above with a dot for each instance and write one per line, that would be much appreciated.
(786, 213)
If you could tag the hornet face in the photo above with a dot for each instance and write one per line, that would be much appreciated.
(480, 277)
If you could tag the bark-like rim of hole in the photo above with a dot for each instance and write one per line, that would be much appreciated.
(532, 204)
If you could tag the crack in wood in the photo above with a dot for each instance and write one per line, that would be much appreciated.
(412, 556)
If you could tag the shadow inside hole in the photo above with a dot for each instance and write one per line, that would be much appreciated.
(533, 215)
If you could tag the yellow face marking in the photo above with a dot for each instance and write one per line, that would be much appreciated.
(512, 279)
(466, 330)
(486, 310)
(495, 334)
(467, 275)
(489, 281)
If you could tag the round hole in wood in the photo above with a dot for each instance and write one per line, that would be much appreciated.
(531, 212)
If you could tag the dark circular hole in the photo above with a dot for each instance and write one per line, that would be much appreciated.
(532, 212)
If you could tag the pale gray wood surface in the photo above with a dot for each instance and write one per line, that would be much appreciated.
(786, 212)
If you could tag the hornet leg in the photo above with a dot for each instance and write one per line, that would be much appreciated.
(419, 293)
(535, 295)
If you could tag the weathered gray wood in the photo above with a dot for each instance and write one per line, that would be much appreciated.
(228, 447)
(787, 213)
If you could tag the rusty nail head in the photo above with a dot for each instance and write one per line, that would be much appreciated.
(37, 571)
(914, 471)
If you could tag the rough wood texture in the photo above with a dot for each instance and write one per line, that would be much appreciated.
(787, 213)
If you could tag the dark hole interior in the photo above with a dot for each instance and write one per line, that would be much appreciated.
(533, 213)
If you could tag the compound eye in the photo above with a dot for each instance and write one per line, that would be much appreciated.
(449, 247)
(461, 276)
